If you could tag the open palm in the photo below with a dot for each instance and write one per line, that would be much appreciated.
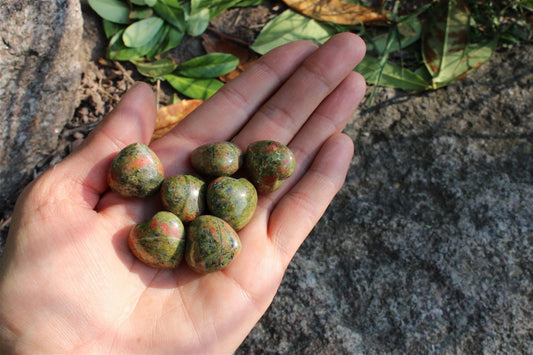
(69, 283)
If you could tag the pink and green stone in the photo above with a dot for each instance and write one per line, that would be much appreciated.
(233, 200)
(159, 242)
(211, 244)
(269, 164)
(136, 171)
(184, 195)
(217, 159)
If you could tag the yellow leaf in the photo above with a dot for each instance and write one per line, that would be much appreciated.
(336, 11)
(169, 116)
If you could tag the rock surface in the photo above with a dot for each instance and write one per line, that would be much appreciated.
(40, 77)
(428, 248)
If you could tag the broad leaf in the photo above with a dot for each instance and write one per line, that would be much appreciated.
(216, 7)
(156, 69)
(290, 26)
(198, 21)
(111, 10)
(246, 56)
(111, 28)
(144, 2)
(142, 32)
(194, 88)
(392, 75)
(158, 44)
(117, 50)
(140, 13)
(408, 32)
(172, 13)
(336, 11)
(171, 40)
(446, 49)
(209, 66)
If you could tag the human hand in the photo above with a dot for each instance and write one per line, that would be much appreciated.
(68, 281)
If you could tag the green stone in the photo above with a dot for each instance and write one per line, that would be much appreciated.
(217, 159)
(136, 171)
(211, 244)
(233, 200)
(269, 164)
(184, 195)
(159, 242)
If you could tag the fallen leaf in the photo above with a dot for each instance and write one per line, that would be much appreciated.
(169, 116)
(246, 57)
(336, 11)
(446, 48)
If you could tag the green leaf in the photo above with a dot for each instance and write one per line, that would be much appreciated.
(408, 32)
(140, 13)
(171, 40)
(156, 69)
(149, 3)
(526, 4)
(174, 99)
(142, 32)
(194, 88)
(172, 13)
(245, 3)
(209, 66)
(446, 49)
(215, 7)
(290, 26)
(159, 43)
(198, 21)
(111, 28)
(117, 50)
(111, 10)
(392, 75)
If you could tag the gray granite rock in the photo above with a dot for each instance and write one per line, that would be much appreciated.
(40, 77)
(428, 248)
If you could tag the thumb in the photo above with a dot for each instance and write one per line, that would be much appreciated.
(132, 120)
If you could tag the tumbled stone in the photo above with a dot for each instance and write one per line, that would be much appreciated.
(211, 244)
(159, 242)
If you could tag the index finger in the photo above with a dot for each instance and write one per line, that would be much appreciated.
(223, 115)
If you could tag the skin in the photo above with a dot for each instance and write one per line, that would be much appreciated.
(70, 284)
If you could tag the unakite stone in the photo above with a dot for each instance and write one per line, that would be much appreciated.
(269, 164)
(217, 159)
(159, 242)
(211, 244)
(184, 195)
(233, 200)
(135, 171)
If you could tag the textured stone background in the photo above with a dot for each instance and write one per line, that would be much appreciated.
(40, 75)
(428, 248)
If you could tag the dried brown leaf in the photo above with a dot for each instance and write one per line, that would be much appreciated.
(169, 116)
(336, 11)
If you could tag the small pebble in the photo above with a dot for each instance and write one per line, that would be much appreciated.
(217, 159)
